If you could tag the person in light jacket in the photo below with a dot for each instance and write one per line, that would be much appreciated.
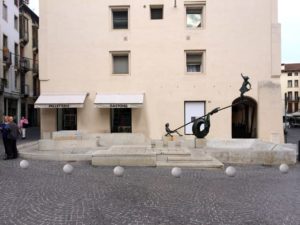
(23, 124)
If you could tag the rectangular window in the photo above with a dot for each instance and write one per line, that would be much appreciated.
(289, 74)
(296, 73)
(194, 16)
(194, 61)
(290, 83)
(120, 18)
(296, 83)
(296, 95)
(121, 120)
(156, 12)
(192, 110)
(16, 23)
(66, 119)
(290, 95)
(120, 62)
(4, 11)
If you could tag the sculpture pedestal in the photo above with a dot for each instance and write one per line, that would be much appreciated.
(200, 142)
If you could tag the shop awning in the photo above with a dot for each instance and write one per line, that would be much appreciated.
(119, 100)
(60, 101)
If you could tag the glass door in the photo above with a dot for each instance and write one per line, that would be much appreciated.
(121, 120)
(66, 119)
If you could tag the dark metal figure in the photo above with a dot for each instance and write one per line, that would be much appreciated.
(170, 132)
(201, 125)
(246, 86)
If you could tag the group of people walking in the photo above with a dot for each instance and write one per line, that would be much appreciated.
(10, 133)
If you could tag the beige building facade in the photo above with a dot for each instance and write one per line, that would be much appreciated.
(116, 66)
(290, 88)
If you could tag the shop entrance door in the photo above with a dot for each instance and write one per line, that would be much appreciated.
(66, 119)
(121, 120)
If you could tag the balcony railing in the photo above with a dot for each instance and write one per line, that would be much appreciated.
(291, 99)
(35, 68)
(24, 64)
(7, 57)
(25, 90)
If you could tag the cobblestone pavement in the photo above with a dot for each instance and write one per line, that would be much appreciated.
(43, 194)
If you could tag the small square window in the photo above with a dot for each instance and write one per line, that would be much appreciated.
(289, 74)
(156, 12)
(194, 17)
(120, 63)
(120, 18)
(194, 62)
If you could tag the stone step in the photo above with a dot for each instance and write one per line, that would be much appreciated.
(194, 164)
(189, 158)
(54, 155)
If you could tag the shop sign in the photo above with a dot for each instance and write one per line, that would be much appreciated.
(118, 105)
(59, 106)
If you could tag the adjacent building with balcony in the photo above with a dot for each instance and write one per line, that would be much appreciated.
(290, 88)
(9, 45)
(132, 66)
(28, 63)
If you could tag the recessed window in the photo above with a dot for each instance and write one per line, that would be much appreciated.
(289, 74)
(16, 22)
(296, 83)
(296, 73)
(290, 83)
(4, 11)
(194, 61)
(120, 63)
(120, 18)
(156, 12)
(194, 16)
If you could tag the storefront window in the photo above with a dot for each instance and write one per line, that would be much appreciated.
(121, 120)
(66, 119)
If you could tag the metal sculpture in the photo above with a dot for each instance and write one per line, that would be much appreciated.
(201, 125)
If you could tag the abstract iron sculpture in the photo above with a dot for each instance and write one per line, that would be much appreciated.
(201, 125)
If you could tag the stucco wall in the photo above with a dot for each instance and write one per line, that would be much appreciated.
(76, 39)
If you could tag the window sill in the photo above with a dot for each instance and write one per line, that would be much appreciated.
(194, 73)
(121, 74)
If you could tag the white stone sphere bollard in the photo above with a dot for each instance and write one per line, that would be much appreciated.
(24, 164)
(230, 171)
(176, 172)
(68, 168)
(284, 168)
(119, 171)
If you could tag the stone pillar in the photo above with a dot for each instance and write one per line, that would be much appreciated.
(270, 126)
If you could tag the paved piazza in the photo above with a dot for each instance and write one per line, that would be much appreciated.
(43, 194)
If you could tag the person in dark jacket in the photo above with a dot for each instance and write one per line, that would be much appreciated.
(13, 133)
(4, 131)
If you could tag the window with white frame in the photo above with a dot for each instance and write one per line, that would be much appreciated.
(120, 62)
(194, 16)
(119, 18)
(194, 61)
(290, 83)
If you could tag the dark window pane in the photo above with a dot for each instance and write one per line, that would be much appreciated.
(120, 19)
(120, 64)
(156, 13)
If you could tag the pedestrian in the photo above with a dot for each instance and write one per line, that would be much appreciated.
(23, 124)
(4, 131)
(13, 132)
